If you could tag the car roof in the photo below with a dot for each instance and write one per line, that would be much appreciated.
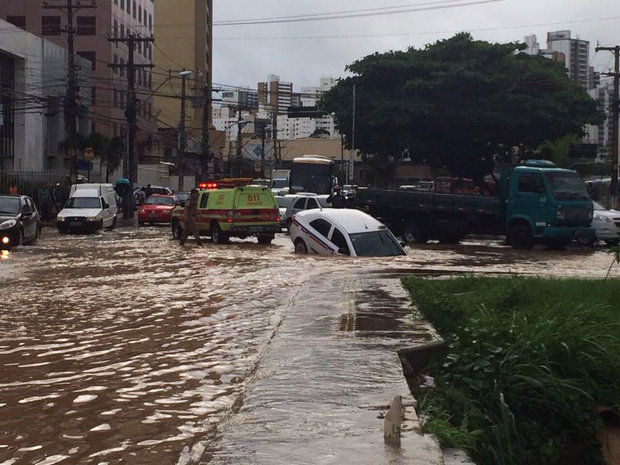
(352, 221)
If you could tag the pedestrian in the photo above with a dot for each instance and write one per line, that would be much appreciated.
(190, 217)
(13, 189)
(45, 202)
(148, 191)
(336, 198)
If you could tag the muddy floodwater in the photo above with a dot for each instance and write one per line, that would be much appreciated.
(122, 347)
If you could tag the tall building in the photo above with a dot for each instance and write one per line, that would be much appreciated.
(275, 96)
(110, 18)
(32, 89)
(576, 56)
(184, 41)
(532, 45)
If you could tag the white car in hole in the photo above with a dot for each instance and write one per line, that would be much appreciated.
(336, 231)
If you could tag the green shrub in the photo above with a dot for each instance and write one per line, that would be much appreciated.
(529, 360)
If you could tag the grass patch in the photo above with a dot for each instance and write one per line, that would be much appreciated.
(529, 361)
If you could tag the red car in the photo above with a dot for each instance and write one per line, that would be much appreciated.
(156, 209)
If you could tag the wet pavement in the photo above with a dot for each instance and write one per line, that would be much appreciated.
(122, 347)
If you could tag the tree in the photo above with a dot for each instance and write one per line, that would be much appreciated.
(459, 105)
(109, 151)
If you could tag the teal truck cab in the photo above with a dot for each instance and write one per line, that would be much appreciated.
(535, 202)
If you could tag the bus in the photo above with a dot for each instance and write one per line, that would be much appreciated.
(312, 173)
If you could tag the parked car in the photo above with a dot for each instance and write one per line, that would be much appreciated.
(606, 224)
(283, 204)
(300, 202)
(90, 207)
(157, 209)
(20, 221)
(342, 232)
(139, 194)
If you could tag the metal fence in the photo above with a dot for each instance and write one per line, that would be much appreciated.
(29, 182)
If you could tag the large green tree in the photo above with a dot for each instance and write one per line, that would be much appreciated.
(458, 105)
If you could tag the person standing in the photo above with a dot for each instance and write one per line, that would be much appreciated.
(336, 198)
(148, 191)
(13, 189)
(190, 218)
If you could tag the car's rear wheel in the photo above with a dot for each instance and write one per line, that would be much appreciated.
(177, 230)
(265, 238)
(300, 247)
(217, 235)
(586, 240)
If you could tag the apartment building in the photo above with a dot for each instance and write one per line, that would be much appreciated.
(184, 41)
(93, 27)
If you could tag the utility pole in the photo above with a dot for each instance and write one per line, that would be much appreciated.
(351, 170)
(206, 153)
(182, 136)
(71, 107)
(239, 142)
(615, 108)
(130, 161)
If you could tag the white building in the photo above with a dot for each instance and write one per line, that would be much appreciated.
(603, 133)
(33, 80)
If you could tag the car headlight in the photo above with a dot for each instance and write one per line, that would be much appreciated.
(60, 218)
(8, 224)
(606, 219)
(91, 218)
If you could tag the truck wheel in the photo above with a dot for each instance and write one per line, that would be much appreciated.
(113, 223)
(217, 235)
(177, 230)
(449, 239)
(300, 247)
(521, 237)
(265, 239)
(612, 242)
(413, 233)
(586, 240)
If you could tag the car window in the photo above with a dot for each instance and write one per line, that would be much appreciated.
(339, 241)
(375, 244)
(203, 201)
(312, 204)
(300, 204)
(10, 205)
(29, 205)
(321, 226)
(84, 202)
(529, 182)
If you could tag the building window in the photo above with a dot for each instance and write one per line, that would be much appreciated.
(134, 9)
(93, 96)
(122, 68)
(114, 68)
(87, 26)
(140, 14)
(90, 56)
(115, 31)
(150, 22)
(115, 97)
(122, 30)
(122, 4)
(50, 25)
(19, 21)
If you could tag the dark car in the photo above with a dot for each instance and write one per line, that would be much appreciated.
(20, 221)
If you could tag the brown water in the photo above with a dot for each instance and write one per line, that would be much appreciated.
(122, 347)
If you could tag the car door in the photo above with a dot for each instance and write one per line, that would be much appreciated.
(29, 219)
(338, 239)
(529, 200)
(319, 242)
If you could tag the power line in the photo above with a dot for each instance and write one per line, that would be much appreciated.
(384, 11)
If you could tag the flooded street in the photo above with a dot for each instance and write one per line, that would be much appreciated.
(122, 347)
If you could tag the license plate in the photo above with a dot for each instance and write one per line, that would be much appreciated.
(75, 223)
(153, 215)
(256, 229)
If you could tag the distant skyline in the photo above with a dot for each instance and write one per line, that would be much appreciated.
(302, 51)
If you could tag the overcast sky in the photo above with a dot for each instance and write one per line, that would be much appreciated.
(303, 52)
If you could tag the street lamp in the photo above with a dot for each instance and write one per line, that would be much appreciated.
(184, 75)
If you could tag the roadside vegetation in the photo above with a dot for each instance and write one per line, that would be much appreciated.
(528, 364)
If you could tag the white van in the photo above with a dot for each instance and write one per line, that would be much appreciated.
(90, 207)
